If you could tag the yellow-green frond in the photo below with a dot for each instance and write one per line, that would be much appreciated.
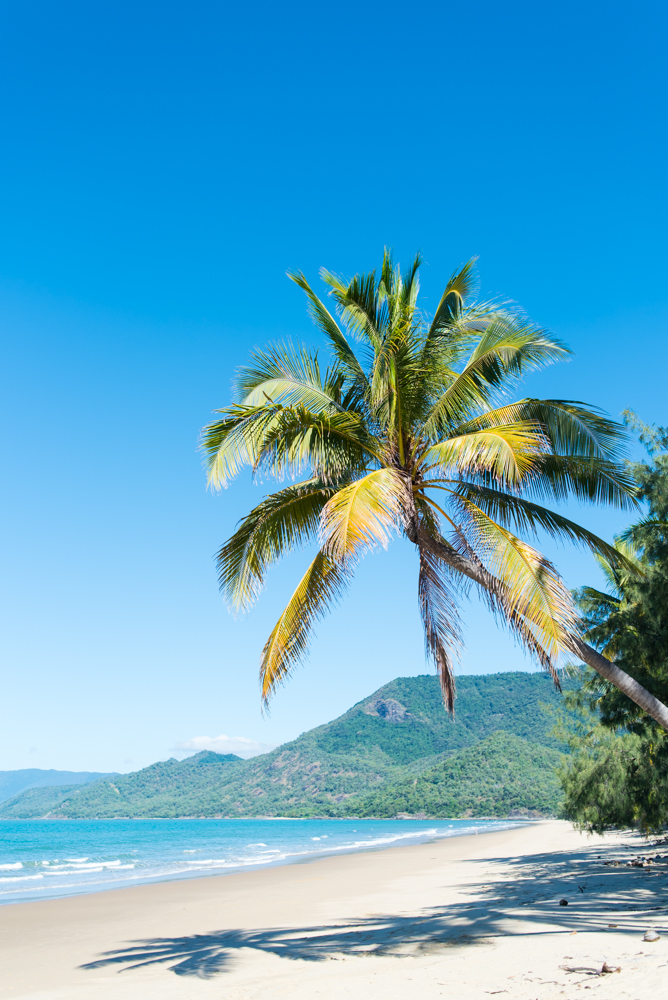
(362, 515)
(506, 453)
(533, 588)
(507, 348)
(320, 587)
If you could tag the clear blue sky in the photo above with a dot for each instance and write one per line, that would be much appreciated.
(162, 165)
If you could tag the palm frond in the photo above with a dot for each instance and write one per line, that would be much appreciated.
(233, 442)
(358, 304)
(282, 522)
(587, 479)
(462, 283)
(288, 439)
(288, 375)
(411, 283)
(332, 446)
(457, 553)
(575, 428)
(326, 323)
(521, 515)
(597, 597)
(506, 453)
(440, 619)
(532, 586)
(513, 346)
(363, 514)
(321, 586)
(508, 348)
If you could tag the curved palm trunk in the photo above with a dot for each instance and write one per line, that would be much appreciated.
(636, 692)
(621, 680)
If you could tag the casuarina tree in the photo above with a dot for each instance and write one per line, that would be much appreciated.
(618, 773)
(412, 428)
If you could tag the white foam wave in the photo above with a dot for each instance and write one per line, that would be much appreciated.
(20, 878)
(79, 867)
(11, 868)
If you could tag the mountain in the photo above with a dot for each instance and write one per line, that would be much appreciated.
(13, 782)
(502, 775)
(395, 752)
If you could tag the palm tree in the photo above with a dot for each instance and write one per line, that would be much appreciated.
(410, 430)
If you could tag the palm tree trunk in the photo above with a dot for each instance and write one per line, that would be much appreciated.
(621, 680)
(626, 684)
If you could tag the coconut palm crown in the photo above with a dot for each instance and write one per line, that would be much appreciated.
(412, 428)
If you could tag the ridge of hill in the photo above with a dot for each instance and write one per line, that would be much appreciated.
(14, 782)
(364, 763)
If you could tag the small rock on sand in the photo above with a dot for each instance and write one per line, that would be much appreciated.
(651, 936)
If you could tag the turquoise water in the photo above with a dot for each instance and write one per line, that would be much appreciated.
(41, 859)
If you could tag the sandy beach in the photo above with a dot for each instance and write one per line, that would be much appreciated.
(466, 917)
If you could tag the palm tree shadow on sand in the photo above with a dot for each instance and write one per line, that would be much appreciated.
(528, 903)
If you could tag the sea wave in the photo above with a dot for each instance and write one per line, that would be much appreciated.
(43, 859)
(20, 878)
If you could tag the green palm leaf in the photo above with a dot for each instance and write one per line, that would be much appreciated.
(328, 325)
(530, 519)
(530, 582)
(287, 375)
(283, 521)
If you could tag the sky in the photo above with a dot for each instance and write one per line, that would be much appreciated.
(162, 165)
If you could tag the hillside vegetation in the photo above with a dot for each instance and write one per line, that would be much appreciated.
(395, 752)
(502, 775)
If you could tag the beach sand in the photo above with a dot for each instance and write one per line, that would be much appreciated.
(468, 917)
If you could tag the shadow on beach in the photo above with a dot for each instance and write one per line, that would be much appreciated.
(524, 899)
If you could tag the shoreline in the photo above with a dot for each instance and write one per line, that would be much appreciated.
(401, 818)
(39, 893)
(457, 917)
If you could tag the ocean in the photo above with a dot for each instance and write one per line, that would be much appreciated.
(43, 859)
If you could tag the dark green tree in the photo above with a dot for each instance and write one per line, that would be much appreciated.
(618, 775)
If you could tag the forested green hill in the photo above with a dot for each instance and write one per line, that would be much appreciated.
(396, 751)
(500, 776)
